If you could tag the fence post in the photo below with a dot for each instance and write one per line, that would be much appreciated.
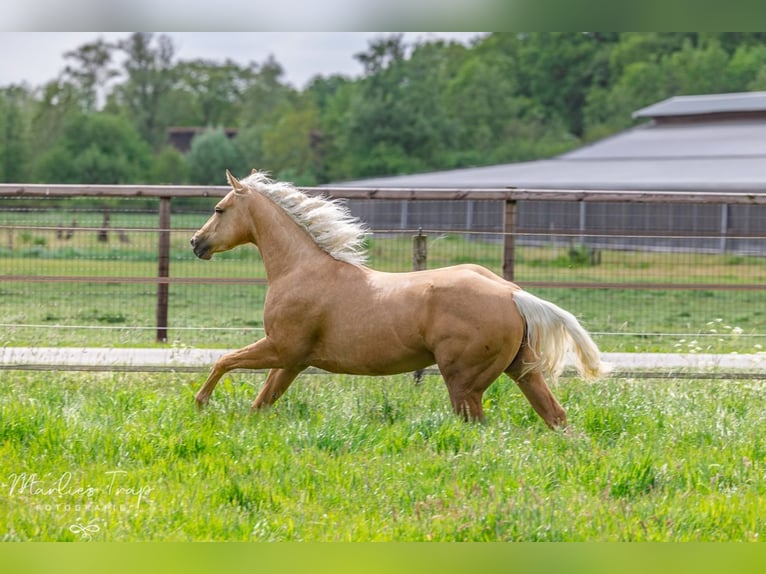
(419, 260)
(509, 239)
(419, 251)
(404, 214)
(163, 270)
(724, 227)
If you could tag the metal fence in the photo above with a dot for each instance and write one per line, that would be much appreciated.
(112, 265)
(711, 227)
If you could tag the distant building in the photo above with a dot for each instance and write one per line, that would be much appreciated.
(690, 143)
(181, 137)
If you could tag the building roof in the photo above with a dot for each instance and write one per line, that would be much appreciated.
(744, 175)
(718, 155)
(705, 104)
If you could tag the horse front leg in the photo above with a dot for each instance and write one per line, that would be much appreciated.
(275, 386)
(259, 355)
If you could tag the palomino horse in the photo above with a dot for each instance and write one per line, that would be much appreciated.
(325, 308)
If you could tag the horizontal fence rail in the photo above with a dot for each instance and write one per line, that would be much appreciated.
(735, 196)
(549, 240)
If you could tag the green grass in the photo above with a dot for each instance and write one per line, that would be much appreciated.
(351, 458)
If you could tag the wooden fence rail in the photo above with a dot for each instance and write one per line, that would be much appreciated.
(732, 196)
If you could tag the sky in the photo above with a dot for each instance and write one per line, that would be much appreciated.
(37, 57)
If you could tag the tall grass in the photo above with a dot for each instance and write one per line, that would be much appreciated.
(128, 457)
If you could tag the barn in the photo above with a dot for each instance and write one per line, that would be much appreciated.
(701, 143)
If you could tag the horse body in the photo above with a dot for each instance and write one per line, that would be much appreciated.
(389, 323)
(325, 309)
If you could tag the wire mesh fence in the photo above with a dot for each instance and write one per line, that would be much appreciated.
(87, 271)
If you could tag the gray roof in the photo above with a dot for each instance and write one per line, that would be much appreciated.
(705, 104)
(721, 155)
(703, 140)
(722, 174)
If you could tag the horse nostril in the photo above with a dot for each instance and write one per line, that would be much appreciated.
(193, 240)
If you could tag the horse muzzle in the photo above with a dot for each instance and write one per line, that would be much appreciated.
(201, 248)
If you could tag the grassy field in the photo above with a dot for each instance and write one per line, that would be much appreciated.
(123, 457)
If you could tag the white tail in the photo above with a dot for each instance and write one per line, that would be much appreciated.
(552, 331)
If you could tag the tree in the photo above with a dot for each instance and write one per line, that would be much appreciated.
(332, 97)
(90, 72)
(217, 90)
(57, 104)
(280, 132)
(397, 120)
(14, 144)
(291, 148)
(484, 98)
(697, 70)
(97, 148)
(648, 47)
(556, 70)
(608, 110)
(265, 94)
(747, 68)
(378, 127)
(211, 154)
(169, 167)
(150, 76)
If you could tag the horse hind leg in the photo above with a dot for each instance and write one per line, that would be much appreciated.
(532, 384)
(467, 404)
(466, 383)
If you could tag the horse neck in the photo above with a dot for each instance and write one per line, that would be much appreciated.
(284, 245)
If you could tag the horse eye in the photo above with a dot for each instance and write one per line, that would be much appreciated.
(219, 210)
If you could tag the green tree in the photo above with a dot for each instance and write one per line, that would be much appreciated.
(556, 70)
(97, 148)
(249, 144)
(57, 104)
(648, 47)
(608, 110)
(381, 131)
(697, 70)
(14, 141)
(733, 41)
(397, 118)
(484, 96)
(169, 167)
(90, 71)
(332, 97)
(217, 90)
(149, 77)
(265, 94)
(747, 67)
(211, 154)
(291, 148)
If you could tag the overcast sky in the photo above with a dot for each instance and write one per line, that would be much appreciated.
(36, 57)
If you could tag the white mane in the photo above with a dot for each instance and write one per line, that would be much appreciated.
(329, 223)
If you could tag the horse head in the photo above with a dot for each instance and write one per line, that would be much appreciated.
(230, 224)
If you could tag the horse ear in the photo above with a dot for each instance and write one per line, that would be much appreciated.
(254, 171)
(235, 183)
